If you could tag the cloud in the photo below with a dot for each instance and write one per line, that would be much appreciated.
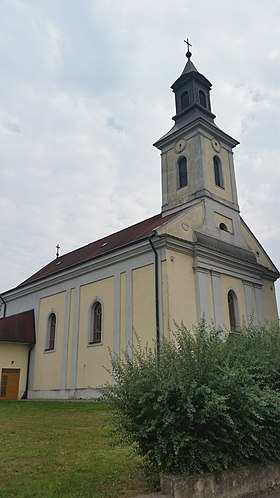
(85, 91)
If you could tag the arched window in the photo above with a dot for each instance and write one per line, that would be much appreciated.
(51, 331)
(182, 172)
(218, 172)
(202, 98)
(185, 100)
(223, 226)
(96, 323)
(233, 310)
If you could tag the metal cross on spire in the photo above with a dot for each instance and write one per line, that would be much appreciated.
(57, 250)
(188, 54)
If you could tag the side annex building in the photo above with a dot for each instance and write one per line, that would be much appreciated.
(196, 258)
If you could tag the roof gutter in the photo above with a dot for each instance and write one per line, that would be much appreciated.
(156, 295)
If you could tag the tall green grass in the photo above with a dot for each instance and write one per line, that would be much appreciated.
(64, 450)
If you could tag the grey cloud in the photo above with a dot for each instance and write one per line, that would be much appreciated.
(12, 127)
(85, 91)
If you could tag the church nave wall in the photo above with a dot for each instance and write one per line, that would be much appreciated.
(48, 362)
(93, 359)
(179, 290)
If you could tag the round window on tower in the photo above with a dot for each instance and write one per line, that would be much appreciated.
(216, 144)
(180, 145)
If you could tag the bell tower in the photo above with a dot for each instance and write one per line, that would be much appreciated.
(197, 159)
(192, 94)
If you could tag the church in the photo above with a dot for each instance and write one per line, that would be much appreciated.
(196, 258)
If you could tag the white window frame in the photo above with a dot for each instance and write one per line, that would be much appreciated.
(90, 323)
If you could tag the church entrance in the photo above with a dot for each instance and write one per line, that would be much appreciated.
(9, 383)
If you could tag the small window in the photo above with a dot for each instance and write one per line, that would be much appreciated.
(185, 100)
(232, 310)
(202, 98)
(182, 172)
(218, 172)
(223, 226)
(51, 331)
(96, 323)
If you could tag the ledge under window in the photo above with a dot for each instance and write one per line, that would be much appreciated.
(90, 344)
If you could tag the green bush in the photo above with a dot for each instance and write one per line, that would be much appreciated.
(203, 403)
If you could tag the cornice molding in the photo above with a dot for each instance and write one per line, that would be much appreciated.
(224, 263)
(204, 259)
(196, 126)
(118, 256)
(174, 207)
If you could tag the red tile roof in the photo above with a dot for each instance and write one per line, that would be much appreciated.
(18, 328)
(115, 241)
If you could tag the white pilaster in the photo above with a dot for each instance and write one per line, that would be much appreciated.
(129, 311)
(202, 294)
(75, 341)
(117, 305)
(259, 303)
(217, 299)
(249, 301)
(65, 340)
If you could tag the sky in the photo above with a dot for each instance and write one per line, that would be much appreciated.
(85, 92)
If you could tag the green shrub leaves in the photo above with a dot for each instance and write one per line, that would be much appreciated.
(204, 403)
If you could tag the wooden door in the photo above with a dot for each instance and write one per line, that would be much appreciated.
(9, 383)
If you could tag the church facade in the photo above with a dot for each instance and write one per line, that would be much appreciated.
(195, 259)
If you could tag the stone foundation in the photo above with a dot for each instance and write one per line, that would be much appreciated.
(64, 394)
(233, 483)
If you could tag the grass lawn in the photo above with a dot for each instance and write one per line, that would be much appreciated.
(63, 450)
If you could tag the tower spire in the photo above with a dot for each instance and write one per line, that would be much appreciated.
(197, 160)
(188, 54)
(189, 65)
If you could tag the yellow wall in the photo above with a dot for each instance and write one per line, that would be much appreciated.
(254, 245)
(172, 159)
(219, 218)
(180, 286)
(269, 301)
(94, 359)
(230, 283)
(184, 224)
(47, 374)
(15, 356)
(176, 195)
(144, 320)
(226, 192)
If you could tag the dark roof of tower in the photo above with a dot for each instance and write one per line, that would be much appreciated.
(194, 114)
(189, 67)
(226, 248)
(190, 72)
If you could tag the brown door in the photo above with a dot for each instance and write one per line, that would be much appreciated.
(9, 383)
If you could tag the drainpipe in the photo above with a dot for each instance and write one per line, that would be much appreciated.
(156, 295)
(25, 394)
(2, 303)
